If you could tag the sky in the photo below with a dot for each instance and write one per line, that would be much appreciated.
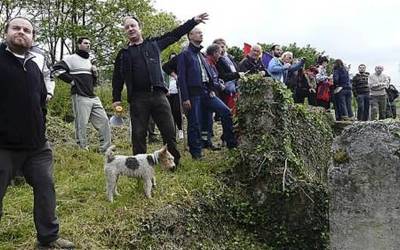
(352, 30)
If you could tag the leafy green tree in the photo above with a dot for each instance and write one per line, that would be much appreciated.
(236, 52)
(9, 9)
(61, 22)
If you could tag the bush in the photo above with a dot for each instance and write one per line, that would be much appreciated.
(60, 105)
(282, 162)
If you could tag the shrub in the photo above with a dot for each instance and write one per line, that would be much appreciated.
(282, 162)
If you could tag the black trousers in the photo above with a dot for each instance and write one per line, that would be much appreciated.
(300, 95)
(154, 104)
(37, 168)
(176, 109)
(151, 128)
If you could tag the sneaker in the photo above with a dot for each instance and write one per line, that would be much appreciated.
(57, 244)
(180, 134)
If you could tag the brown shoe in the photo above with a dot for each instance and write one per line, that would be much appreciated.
(57, 244)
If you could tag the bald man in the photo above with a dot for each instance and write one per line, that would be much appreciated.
(252, 62)
(138, 66)
(198, 83)
(378, 83)
(23, 144)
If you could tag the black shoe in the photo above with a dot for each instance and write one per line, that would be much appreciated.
(232, 145)
(205, 144)
(197, 157)
(214, 148)
(57, 244)
(18, 181)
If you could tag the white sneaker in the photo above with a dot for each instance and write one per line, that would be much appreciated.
(180, 134)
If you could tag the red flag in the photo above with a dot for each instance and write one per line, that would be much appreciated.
(246, 48)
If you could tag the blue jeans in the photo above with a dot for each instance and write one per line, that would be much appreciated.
(206, 127)
(363, 107)
(230, 87)
(343, 103)
(195, 121)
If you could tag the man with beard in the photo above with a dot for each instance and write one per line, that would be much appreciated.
(23, 145)
(275, 51)
(138, 65)
(78, 71)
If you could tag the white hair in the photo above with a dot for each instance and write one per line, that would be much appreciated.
(287, 53)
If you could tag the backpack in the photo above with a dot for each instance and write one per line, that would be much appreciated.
(323, 91)
(392, 93)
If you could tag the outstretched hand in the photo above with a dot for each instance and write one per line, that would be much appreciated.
(201, 18)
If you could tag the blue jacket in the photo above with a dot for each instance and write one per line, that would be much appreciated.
(189, 73)
(341, 78)
(279, 72)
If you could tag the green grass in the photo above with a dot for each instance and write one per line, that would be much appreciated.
(89, 220)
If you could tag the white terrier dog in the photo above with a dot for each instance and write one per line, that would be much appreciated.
(140, 166)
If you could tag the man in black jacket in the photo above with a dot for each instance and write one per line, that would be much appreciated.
(252, 62)
(361, 92)
(138, 66)
(392, 94)
(23, 145)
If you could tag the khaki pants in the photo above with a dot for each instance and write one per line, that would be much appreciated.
(378, 106)
(90, 109)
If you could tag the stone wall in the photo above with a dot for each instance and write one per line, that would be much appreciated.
(282, 162)
(364, 184)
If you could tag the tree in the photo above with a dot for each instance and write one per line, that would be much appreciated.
(9, 9)
(236, 52)
(61, 22)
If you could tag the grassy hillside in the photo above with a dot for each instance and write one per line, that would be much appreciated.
(185, 211)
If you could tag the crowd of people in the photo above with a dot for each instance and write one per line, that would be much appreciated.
(202, 86)
(374, 93)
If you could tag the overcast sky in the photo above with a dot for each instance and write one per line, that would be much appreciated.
(353, 30)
